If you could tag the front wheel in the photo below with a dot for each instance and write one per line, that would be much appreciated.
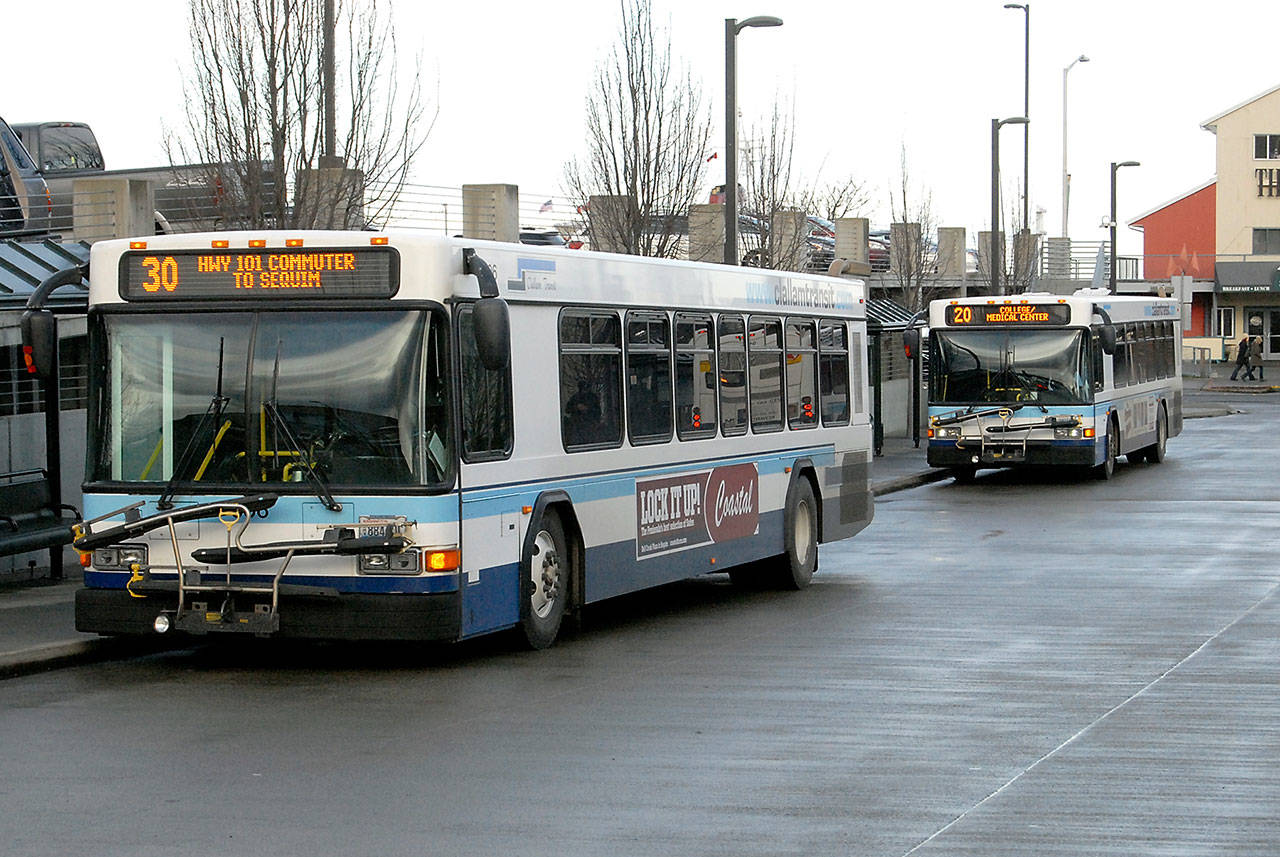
(800, 534)
(546, 585)
(1107, 468)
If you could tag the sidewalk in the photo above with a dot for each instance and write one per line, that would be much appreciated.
(37, 620)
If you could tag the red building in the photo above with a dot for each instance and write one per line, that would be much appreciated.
(1179, 240)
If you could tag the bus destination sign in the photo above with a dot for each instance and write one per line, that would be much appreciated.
(259, 274)
(974, 315)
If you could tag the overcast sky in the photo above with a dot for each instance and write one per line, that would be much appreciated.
(866, 80)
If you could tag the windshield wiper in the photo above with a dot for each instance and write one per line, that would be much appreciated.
(281, 427)
(211, 416)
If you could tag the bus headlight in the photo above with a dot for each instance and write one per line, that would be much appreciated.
(119, 559)
(946, 432)
(1068, 433)
(405, 562)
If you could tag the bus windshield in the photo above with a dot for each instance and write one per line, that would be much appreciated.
(1009, 366)
(264, 398)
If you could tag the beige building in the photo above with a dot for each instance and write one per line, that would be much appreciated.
(1248, 165)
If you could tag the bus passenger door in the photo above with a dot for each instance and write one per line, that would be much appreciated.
(489, 520)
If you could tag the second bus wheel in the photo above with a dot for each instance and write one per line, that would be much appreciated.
(800, 537)
(546, 586)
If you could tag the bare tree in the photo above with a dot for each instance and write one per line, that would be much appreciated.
(913, 256)
(255, 115)
(846, 197)
(648, 138)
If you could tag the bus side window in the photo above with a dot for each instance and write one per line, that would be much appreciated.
(732, 352)
(486, 398)
(802, 374)
(1096, 355)
(695, 376)
(833, 369)
(764, 375)
(648, 377)
(590, 379)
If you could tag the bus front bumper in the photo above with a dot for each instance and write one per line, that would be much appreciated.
(1034, 453)
(327, 616)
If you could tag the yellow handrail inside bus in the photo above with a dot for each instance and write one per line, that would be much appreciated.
(213, 447)
(152, 460)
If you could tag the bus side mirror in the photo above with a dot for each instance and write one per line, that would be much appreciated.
(493, 333)
(40, 343)
(911, 342)
(1107, 338)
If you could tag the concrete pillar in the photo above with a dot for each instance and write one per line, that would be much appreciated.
(851, 239)
(112, 208)
(984, 255)
(952, 258)
(706, 233)
(328, 198)
(612, 219)
(904, 247)
(491, 212)
(1025, 258)
(788, 231)
(1058, 258)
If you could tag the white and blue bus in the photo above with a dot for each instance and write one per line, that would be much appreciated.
(1041, 379)
(356, 435)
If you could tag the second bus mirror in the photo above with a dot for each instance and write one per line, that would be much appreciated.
(40, 342)
(911, 342)
(1107, 338)
(493, 333)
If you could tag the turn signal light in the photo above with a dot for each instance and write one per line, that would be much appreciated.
(1090, 433)
(137, 245)
(441, 560)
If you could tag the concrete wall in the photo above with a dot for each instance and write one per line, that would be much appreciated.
(104, 208)
(706, 233)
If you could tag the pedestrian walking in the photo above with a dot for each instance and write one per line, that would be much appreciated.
(1242, 357)
(1255, 358)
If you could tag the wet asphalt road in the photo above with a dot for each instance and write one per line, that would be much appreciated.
(1021, 666)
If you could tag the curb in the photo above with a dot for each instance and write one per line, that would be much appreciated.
(902, 483)
(51, 656)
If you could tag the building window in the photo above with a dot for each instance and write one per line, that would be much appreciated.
(1224, 322)
(1266, 242)
(1266, 147)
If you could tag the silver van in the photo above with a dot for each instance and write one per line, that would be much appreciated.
(30, 206)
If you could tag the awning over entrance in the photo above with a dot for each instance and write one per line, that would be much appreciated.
(1242, 277)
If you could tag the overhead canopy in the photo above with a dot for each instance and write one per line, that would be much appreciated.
(884, 314)
(24, 264)
(1234, 277)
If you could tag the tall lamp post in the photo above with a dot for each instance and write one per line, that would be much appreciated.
(732, 26)
(996, 263)
(1114, 167)
(1066, 176)
(1026, 111)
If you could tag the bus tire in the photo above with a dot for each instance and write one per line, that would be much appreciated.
(1107, 468)
(800, 536)
(547, 578)
(1155, 452)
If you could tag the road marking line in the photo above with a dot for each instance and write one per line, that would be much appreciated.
(953, 822)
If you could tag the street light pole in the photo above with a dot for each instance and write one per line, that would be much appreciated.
(732, 27)
(1066, 176)
(996, 263)
(1026, 112)
(1114, 167)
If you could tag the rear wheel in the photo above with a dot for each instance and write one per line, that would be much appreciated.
(800, 534)
(1155, 452)
(547, 571)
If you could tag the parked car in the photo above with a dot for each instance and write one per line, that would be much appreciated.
(878, 254)
(25, 202)
(542, 237)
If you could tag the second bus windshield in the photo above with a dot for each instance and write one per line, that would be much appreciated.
(1009, 366)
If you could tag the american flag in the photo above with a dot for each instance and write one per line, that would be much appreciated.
(545, 207)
